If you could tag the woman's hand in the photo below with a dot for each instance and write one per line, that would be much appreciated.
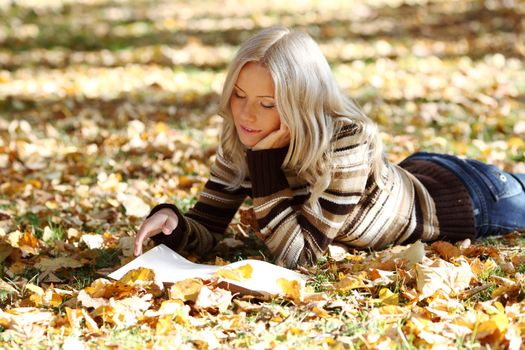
(165, 221)
(276, 139)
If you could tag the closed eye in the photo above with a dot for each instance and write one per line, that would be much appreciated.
(237, 95)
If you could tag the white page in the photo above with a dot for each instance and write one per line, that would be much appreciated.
(172, 267)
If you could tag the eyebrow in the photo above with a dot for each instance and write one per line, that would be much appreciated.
(237, 86)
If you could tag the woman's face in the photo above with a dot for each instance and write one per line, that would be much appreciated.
(253, 104)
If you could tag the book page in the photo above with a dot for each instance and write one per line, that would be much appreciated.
(170, 266)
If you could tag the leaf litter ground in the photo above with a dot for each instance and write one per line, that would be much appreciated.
(109, 109)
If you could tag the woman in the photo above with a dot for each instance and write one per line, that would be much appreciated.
(314, 166)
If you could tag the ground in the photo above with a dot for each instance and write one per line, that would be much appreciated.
(109, 107)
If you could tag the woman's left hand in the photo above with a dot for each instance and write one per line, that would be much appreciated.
(276, 139)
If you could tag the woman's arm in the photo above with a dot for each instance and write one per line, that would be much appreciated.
(211, 214)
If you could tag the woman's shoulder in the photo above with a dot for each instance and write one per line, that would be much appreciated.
(347, 130)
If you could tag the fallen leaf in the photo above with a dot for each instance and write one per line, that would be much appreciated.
(387, 297)
(5, 251)
(213, 299)
(495, 326)
(92, 241)
(186, 290)
(444, 276)
(239, 274)
(445, 250)
(55, 264)
(292, 290)
(28, 243)
(134, 205)
(140, 276)
(348, 283)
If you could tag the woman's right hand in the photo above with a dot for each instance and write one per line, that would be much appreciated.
(165, 221)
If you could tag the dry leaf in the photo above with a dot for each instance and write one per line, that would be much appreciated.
(134, 205)
(141, 276)
(445, 250)
(92, 241)
(348, 283)
(186, 290)
(213, 299)
(444, 276)
(292, 290)
(495, 326)
(28, 243)
(239, 274)
(387, 297)
(5, 251)
(55, 264)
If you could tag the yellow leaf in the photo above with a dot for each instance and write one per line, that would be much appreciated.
(292, 289)
(90, 323)
(74, 317)
(160, 128)
(320, 312)
(141, 276)
(490, 265)
(34, 289)
(102, 288)
(295, 331)
(28, 243)
(348, 283)
(387, 297)
(496, 325)
(240, 274)
(393, 310)
(165, 325)
(186, 290)
(516, 142)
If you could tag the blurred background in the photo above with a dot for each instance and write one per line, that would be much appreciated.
(109, 107)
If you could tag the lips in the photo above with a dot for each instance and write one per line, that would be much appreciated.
(249, 130)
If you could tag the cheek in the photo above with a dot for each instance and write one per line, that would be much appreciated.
(234, 107)
(274, 121)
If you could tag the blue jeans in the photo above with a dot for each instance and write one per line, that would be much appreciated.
(498, 197)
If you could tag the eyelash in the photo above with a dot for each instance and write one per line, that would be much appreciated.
(238, 96)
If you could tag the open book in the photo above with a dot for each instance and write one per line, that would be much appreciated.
(172, 267)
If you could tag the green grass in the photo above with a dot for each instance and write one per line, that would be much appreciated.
(321, 279)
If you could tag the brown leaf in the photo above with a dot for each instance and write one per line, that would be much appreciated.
(479, 251)
(446, 250)
(5, 251)
(55, 264)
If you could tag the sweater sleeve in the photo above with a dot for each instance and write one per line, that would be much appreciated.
(210, 216)
(300, 234)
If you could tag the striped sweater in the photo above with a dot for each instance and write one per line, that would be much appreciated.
(353, 210)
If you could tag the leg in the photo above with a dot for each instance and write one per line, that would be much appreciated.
(502, 196)
(498, 197)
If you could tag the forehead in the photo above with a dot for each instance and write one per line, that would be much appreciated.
(255, 78)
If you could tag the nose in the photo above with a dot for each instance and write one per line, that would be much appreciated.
(248, 112)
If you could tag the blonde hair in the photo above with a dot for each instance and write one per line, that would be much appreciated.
(309, 102)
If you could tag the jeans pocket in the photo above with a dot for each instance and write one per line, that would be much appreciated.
(500, 184)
